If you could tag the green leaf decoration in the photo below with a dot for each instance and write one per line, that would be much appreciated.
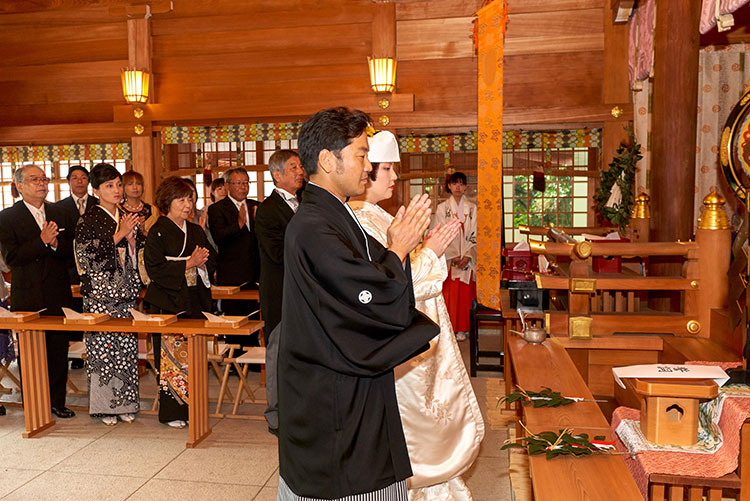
(544, 398)
(553, 444)
(621, 171)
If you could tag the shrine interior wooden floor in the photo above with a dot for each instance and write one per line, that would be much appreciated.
(82, 459)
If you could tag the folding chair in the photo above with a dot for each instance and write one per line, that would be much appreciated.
(5, 372)
(253, 355)
(217, 354)
(146, 353)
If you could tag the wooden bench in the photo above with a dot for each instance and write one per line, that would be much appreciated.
(566, 478)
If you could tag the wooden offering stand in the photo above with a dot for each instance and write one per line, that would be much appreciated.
(669, 409)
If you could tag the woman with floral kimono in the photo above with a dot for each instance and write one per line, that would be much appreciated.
(106, 246)
(179, 261)
(461, 287)
(442, 422)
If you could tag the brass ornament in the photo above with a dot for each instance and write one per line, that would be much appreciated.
(586, 285)
(694, 284)
(580, 327)
(537, 247)
(384, 103)
(616, 112)
(583, 249)
(713, 216)
(138, 112)
(641, 210)
(138, 129)
(384, 120)
(726, 136)
(693, 327)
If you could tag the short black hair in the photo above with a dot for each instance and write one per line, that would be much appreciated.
(332, 129)
(74, 168)
(215, 185)
(456, 177)
(101, 173)
(170, 189)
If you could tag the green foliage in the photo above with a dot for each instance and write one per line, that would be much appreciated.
(624, 162)
(553, 444)
(544, 398)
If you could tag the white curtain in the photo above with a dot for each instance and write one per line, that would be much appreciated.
(723, 74)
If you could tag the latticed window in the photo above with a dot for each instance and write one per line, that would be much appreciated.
(190, 160)
(560, 196)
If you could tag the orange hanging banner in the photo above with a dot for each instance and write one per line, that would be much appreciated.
(491, 23)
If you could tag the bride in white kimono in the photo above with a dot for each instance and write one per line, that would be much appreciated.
(442, 422)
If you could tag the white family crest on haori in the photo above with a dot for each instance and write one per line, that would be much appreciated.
(365, 297)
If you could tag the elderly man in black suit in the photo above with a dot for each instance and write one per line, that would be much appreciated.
(37, 242)
(270, 225)
(232, 223)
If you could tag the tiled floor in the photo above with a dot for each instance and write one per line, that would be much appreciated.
(82, 459)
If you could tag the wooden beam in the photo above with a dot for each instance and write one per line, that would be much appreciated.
(580, 114)
(384, 30)
(260, 107)
(553, 44)
(66, 134)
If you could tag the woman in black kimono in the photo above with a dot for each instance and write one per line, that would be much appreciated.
(179, 262)
(106, 245)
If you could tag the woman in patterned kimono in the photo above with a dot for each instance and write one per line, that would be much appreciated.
(442, 422)
(179, 261)
(106, 246)
(461, 287)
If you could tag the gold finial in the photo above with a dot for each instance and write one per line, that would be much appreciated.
(537, 247)
(641, 209)
(616, 112)
(583, 249)
(713, 216)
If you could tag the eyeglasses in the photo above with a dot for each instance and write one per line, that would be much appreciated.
(240, 183)
(37, 180)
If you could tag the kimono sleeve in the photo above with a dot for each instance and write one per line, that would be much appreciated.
(365, 308)
(169, 275)
(428, 273)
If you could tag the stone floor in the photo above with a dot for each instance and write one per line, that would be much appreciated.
(82, 459)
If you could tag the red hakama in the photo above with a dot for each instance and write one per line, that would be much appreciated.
(458, 296)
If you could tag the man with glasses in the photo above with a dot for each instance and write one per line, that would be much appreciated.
(37, 240)
(232, 223)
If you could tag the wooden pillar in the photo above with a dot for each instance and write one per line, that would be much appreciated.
(676, 45)
(615, 84)
(384, 30)
(139, 57)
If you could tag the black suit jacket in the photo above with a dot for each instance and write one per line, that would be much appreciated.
(271, 219)
(238, 260)
(70, 206)
(39, 273)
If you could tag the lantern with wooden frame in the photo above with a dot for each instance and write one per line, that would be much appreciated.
(135, 85)
(382, 73)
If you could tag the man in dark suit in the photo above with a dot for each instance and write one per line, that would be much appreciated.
(78, 203)
(37, 241)
(232, 223)
(270, 225)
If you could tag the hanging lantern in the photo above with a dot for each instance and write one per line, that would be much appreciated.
(135, 86)
(382, 73)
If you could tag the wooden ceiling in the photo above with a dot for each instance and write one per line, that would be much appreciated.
(234, 61)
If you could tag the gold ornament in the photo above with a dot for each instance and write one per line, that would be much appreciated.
(693, 327)
(138, 112)
(713, 216)
(384, 103)
(384, 120)
(641, 208)
(138, 128)
(616, 112)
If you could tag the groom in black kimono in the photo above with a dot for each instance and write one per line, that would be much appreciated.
(348, 319)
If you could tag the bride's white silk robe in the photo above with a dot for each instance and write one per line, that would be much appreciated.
(442, 422)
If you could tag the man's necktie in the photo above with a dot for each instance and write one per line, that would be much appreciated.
(39, 216)
(293, 203)
(81, 206)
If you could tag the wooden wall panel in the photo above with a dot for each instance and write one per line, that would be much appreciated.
(64, 113)
(434, 38)
(33, 53)
(51, 72)
(555, 24)
(61, 90)
(317, 37)
(76, 15)
(436, 9)
(452, 86)
(92, 33)
(525, 6)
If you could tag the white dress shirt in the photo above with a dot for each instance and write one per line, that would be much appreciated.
(290, 199)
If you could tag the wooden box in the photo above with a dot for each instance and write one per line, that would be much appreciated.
(519, 265)
(156, 320)
(669, 410)
(22, 316)
(89, 319)
(225, 289)
(230, 321)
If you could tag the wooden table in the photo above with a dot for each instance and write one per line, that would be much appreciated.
(567, 478)
(35, 383)
(251, 295)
